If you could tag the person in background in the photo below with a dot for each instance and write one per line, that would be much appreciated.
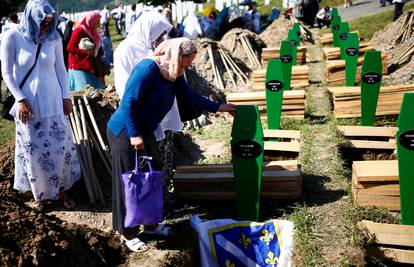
(130, 18)
(66, 29)
(108, 53)
(347, 3)
(192, 27)
(140, 112)
(323, 18)
(104, 17)
(82, 55)
(173, 33)
(46, 162)
(398, 8)
(207, 21)
(383, 2)
(117, 15)
(251, 16)
(11, 23)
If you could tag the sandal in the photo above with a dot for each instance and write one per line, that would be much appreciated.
(39, 206)
(135, 244)
(160, 230)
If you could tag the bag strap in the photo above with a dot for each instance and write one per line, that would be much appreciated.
(31, 69)
(148, 159)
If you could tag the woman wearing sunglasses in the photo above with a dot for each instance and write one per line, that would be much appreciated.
(45, 158)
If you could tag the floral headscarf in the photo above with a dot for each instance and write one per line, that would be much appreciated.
(168, 56)
(34, 13)
(87, 24)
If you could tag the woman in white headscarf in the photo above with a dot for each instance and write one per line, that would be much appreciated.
(146, 34)
(45, 158)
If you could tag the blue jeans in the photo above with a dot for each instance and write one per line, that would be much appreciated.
(107, 49)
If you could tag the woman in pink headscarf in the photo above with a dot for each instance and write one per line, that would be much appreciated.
(83, 47)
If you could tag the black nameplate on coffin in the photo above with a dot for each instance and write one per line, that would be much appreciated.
(406, 139)
(274, 85)
(371, 77)
(293, 43)
(343, 36)
(351, 51)
(247, 149)
(286, 58)
(336, 27)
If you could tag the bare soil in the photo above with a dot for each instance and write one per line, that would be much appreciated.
(386, 40)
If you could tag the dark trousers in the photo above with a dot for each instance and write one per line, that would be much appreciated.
(398, 10)
(123, 160)
(323, 22)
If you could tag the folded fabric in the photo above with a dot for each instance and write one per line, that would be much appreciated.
(86, 44)
(227, 242)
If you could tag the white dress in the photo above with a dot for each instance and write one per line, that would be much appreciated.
(46, 162)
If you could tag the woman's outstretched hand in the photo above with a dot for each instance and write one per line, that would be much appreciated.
(137, 142)
(230, 108)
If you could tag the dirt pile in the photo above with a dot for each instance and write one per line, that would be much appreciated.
(233, 42)
(7, 159)
(216, 77)
(30, 238)
(397, 41)
(276, 32)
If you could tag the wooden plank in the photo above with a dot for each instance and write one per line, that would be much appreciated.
(389, 234)
(290, 165)
(281, 134)
(280, 175)
(378, 170)
(282, 146)
(397, 255)
(291, 94)
(363, 144)
(369, 131)
(391, 203)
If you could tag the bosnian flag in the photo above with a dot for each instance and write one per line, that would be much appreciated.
(231, 243)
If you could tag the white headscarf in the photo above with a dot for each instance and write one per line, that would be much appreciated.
(138, 44)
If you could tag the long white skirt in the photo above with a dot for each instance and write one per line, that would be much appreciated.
(46, 162)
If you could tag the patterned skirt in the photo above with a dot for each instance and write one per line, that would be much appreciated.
(46, 162)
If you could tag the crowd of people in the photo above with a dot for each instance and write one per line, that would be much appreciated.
(148, 71)
(45, 56)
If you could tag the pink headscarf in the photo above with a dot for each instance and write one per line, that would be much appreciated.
(87, 24)
(168, 56)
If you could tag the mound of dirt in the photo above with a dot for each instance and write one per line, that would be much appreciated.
(7, 159)
(395, 40)
(202, 74)
(276, 32)
(30, 238)
(232, 42)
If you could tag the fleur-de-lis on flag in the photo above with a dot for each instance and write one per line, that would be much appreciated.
(271, 260)
(267, 237)
(230, 264)
(245, 241)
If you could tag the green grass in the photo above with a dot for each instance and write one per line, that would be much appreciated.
(307, 249)
(368, 25)
(6, 130)
(116, 39)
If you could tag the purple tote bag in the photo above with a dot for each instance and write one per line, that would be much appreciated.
(143, 196)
